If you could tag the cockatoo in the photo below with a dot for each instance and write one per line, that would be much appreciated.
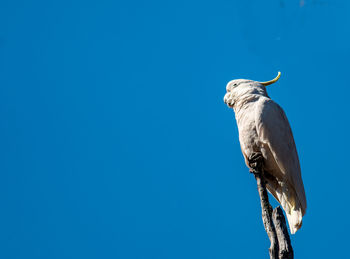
(263, 128)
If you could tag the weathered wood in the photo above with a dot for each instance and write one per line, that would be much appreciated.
(274, 221)
(267, 215)
(284, 243)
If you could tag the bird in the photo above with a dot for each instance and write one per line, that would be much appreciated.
(263, 128)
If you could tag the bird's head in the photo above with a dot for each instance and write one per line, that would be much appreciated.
(240, 88)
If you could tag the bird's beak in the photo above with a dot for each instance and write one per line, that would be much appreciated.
(271, 81)
(229, 100)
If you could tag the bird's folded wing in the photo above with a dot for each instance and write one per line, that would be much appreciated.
(274, 130)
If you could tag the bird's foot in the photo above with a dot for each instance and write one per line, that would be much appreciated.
(255, 162)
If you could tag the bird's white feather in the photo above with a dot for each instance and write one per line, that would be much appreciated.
(263, 127)
(275, 134)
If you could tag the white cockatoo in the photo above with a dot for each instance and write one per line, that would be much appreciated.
(263, 128)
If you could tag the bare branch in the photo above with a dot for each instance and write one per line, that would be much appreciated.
(285, 246)
(274, 222)
(266, 216)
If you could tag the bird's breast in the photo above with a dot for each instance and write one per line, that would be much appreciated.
(248, 136)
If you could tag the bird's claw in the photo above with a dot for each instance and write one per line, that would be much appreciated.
(255, 162)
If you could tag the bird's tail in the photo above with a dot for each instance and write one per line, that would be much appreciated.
(290, 204)
(295, 220)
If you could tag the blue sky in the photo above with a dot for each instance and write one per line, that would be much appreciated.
(116, 143)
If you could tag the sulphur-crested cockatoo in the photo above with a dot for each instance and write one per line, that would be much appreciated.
(263, 128)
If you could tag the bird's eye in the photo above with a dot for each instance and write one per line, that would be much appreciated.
(235, 84)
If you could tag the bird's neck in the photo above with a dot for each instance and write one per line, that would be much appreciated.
(245, 100)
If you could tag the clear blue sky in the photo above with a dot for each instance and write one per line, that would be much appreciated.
(116, 143)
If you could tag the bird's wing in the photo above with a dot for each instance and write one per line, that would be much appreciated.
(274, 130)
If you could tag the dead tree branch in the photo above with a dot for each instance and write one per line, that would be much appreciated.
(267, 216)
(285, 246)
(274, 222)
